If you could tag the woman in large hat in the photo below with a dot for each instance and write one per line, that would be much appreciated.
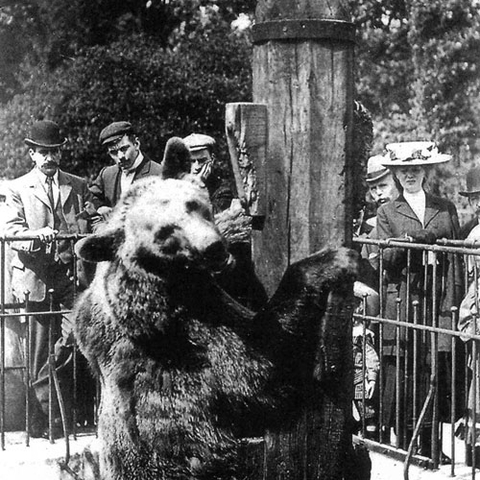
(420, 217)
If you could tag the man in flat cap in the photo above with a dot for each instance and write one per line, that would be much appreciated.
(202, 149)
(43, 203)
(381, 185)
(382, 189)
(123, 147)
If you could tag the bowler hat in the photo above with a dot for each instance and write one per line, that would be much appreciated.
(199, 141)
(405, 154)
(45, 133)
(473, 182)
(115, 131)
(375, 168)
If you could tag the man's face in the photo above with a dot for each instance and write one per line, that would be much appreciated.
(474, 201)
(200, 159)
(383, 190)
(124, 152)
(46, 159)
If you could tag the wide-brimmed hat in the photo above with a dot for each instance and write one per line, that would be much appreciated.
(115, 131)
(473, 182)
(199, 141)
(375, 168)
(45, 133)
(404, 154)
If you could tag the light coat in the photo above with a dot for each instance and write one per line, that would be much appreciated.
(28, 210)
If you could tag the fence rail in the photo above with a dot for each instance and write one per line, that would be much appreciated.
(17, 317)
(428, 369)
(427, 387)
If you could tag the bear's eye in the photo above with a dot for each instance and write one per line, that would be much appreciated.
(164, 233)
(192, 206)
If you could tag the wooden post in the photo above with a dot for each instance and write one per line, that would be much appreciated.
(303, 72)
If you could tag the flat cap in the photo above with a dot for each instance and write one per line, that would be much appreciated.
(199, 141)
(115, 131)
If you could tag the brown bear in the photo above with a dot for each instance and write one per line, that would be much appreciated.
(185, 371)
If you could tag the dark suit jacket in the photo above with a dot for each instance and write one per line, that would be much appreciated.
(29, 209)
(395, 219)
(106, 187)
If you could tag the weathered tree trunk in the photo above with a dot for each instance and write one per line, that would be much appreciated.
(302, 71)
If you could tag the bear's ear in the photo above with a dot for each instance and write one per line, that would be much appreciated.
(98, 247)
(176, 159)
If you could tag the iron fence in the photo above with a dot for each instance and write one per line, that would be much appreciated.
(428, 368)
(17, 316)
(430, 385)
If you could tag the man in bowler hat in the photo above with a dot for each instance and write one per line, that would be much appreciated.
(123, 147)
(471, 230)
(43, 203)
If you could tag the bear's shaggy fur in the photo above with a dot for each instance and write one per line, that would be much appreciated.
(185, 371)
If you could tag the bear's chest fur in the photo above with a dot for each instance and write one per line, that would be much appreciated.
(174, 383)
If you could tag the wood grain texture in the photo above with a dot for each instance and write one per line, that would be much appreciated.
(308, 90)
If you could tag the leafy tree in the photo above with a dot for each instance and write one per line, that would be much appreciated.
(162, 91)
(417, 73)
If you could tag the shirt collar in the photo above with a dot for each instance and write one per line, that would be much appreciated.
(135, 165)
(415, 197)
(43, 177)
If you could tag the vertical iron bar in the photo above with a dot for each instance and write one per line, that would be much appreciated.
(453, 387)
(416, 305)
(406, 352)
(474, 406)
(397, 378)
(434, 348)
(381, 427)
(50, 373)
(364, 368)
(74, 346)
(29, 366)
(2, 347)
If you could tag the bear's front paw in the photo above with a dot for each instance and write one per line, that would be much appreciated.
(329, 269)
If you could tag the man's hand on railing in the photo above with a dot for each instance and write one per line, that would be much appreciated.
(46, 234)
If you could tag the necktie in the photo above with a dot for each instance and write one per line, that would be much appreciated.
(50, 192)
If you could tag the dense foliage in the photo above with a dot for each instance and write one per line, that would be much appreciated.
(163, 89)
(418, 74)
(170, 66)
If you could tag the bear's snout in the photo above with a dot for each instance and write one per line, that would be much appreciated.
(216, 256)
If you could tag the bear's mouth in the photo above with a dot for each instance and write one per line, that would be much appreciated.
(215, 257)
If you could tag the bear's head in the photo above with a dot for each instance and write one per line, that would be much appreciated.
(157, 225)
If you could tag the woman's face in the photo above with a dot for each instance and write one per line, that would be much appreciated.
(411, 178)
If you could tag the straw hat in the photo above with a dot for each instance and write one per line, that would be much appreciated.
(404, 154)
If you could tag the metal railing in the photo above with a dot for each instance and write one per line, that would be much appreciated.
(427, 378)
(416, 357)
(21, 313)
